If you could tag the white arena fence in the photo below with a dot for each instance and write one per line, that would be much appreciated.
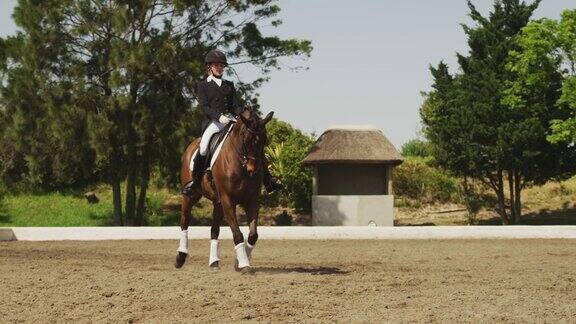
(290, 233)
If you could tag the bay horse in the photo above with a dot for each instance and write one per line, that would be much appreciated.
(235, 179)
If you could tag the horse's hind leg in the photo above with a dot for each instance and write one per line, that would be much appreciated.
(252, 217)
(217, 214)
(185, 214)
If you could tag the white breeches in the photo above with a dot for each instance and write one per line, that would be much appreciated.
(213, 128)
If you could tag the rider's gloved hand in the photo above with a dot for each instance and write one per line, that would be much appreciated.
(225, 119)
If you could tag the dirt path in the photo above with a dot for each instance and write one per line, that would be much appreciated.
(317, 281)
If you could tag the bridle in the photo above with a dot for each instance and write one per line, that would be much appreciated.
(243, 155)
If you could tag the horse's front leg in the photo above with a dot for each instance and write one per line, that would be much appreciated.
(217, 214)
(229, 209)
(185, 214)
(252, 217)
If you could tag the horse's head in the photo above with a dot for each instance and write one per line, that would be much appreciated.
(252, 132)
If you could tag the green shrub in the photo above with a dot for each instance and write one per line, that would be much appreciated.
(415, 179)
(287, 148)
(473, 202)
(416, 148)
(283, 219)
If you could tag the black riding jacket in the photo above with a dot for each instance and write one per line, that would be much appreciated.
(216, 100)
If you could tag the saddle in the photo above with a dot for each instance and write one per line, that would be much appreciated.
(216, 142)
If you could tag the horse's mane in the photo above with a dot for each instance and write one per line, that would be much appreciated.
(253, 119)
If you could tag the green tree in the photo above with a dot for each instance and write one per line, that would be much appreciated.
(122, 72)
(475, 133)
(547, 56)
(34, 150)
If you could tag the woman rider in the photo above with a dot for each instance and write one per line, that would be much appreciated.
(218, 100)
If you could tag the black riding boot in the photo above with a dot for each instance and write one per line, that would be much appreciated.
(271, 184)
(199, 167)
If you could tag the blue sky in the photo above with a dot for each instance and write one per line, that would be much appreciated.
(370, 59)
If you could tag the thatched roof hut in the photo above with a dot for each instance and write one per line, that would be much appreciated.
(352, 177)
(358, 145)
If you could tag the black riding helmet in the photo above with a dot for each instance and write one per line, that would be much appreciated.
(215, 56)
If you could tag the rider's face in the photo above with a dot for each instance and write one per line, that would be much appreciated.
(217, 69)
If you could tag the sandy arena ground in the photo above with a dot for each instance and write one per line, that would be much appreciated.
(313, 281)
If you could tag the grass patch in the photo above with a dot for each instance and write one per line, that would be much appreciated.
(53, 209)
(550, 196)
(72, 209)
(554, 202)
(163, 209)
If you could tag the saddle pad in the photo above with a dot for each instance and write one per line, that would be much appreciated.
(214, 155)
(215, 141)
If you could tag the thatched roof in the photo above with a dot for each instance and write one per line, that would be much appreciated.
(353, 145)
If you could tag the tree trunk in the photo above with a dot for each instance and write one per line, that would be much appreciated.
(132, 169)
(501, 199)
(518, 190)
(512, 197)
(131, 140)
(130, 191)
(141, 207)
(117, 202)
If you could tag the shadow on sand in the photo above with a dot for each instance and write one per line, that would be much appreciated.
(313, 271)
(566, 216)
(396, 223)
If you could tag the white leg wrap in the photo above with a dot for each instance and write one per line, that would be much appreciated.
(183, 247)
(214, 252)
(249, 248)
(241, 255)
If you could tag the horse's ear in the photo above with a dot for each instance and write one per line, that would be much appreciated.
(267, 118)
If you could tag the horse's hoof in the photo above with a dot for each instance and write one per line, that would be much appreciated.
(215, 265)
(180, 259)
(245, 270)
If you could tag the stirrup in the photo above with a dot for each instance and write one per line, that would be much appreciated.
(189, 188)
